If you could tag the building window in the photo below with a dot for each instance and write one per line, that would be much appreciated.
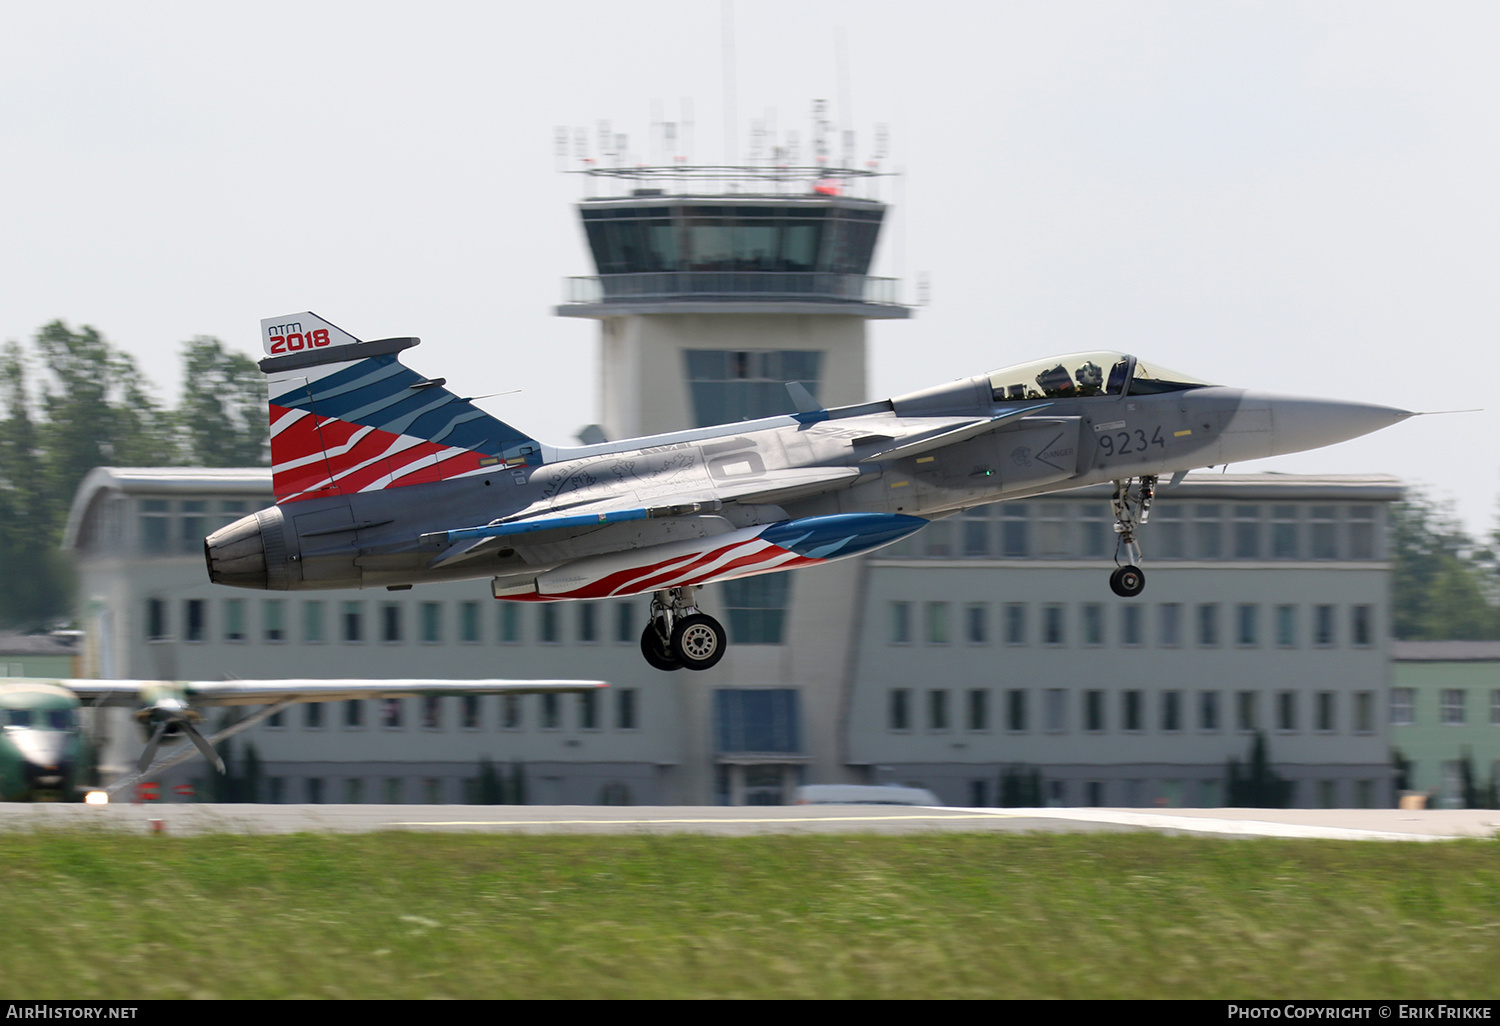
(1055, 709)
(468, 622)
(588, 623)
(195, 620)
(354, 791)
(625, 709)
(1131, 631)
(937, 710)
(1052, 624)
(1171, 711)
(1130, 711)
(354, 714)
(1015, 522)
(390, 622)
(1326, 720)
(391, 713)
(1361, 532)
(1364, 712)
(1052, 529)
(588, 710)
(1169, 624)
(1015, 710)
(1245, 712)
(1208, 625)
(937, 623)
(1403, 712)
(1284, 532)
(1093, 711)
(193, 525)
(551, 712)
(1323, 626)
(1170, 535)
(273, 620)
(1208, 710)
(1095, 524)
(728, 386)
(900, 623)
(469, 712)
(1015, 623)
(757, 608)
(900, 709)
(1247, 625)
(1208, 531)
(938, 536)
(312, 622)
(1246, 532)
(1286, 710)
(234, 619)
(1495, 713)
(395, 790)
(510, 624)
(976, 624)
(976, 531)
(1286, 626)
(1325, 542)
(1363, 626)
(1452, 707)
(432, 622)
(548, 630)
(757, 720)
(312, 716)
(979, 709)
(156, 619)
(432, 712)
(1093, 624)
(315, 790)
(510, 712)
(156, 527)
(354, 622)
(625, 631)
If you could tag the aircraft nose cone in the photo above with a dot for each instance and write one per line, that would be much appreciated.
(1300, 424)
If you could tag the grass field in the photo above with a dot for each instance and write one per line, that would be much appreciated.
(944, 915)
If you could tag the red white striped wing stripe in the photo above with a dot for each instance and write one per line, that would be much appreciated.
(740, 559)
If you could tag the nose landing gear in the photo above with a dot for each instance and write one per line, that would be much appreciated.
(678, 636)
(1132, 508)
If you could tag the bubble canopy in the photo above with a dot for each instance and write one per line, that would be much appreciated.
(1082, 375)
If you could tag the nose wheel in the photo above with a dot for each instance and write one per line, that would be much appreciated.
(1127, 581)
(679, 636)
(1131, 503)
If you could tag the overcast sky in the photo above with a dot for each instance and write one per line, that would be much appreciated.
(1288, 196)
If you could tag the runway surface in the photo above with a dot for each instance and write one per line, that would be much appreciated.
(189, 819)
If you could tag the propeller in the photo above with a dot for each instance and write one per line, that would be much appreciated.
(172, 715)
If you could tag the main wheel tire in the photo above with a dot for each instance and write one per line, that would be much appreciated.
(659, 655)
(698, 641)
(1128, 581)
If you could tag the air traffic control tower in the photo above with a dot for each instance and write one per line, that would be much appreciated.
(717, 285)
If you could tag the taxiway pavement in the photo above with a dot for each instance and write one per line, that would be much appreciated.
(194, 818)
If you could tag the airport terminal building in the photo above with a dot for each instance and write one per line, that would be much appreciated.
(986, 648)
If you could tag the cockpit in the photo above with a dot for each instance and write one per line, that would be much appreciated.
(38, 719)
(1082, 375)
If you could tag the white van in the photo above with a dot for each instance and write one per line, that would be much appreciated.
(861, 794)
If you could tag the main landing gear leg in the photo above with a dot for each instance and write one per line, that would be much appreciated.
(1132, 508)
(678, 635)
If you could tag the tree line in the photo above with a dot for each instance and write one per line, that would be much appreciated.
(71, 401)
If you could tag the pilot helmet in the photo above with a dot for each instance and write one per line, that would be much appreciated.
(1090, 375)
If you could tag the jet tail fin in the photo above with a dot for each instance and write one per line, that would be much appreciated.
(347, 416)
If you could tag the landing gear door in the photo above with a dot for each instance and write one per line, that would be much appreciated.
(1038, 452)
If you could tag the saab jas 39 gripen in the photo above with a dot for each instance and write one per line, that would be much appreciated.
(44, 753)
(383, 477)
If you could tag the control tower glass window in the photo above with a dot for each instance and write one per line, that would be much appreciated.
(728, 386)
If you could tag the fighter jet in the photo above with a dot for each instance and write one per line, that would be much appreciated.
(42, 745)
(383, 477)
